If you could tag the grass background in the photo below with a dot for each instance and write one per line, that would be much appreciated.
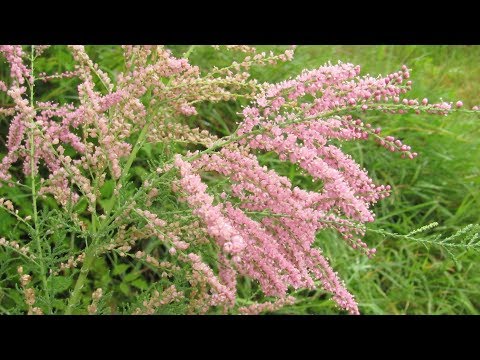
(440, 185)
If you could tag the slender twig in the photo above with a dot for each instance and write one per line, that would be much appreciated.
(34, 192)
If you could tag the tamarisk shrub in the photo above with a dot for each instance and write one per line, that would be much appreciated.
(204, 212)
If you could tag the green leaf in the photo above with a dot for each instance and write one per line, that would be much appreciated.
(120, 269)
(147, 149)
(107, 189)
(125, 289)
(139, 171)
(81, 205)
(106, 203)
(131, 276)
(59, 284)
(140, 284)
(58, 304)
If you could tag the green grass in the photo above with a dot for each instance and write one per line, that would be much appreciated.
(441, 184)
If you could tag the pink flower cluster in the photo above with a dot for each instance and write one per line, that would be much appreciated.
(100, 127)
(99, 145)
(255, 309)
(262, 226)
(279, 249)
(217, 225)
(13, 54)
